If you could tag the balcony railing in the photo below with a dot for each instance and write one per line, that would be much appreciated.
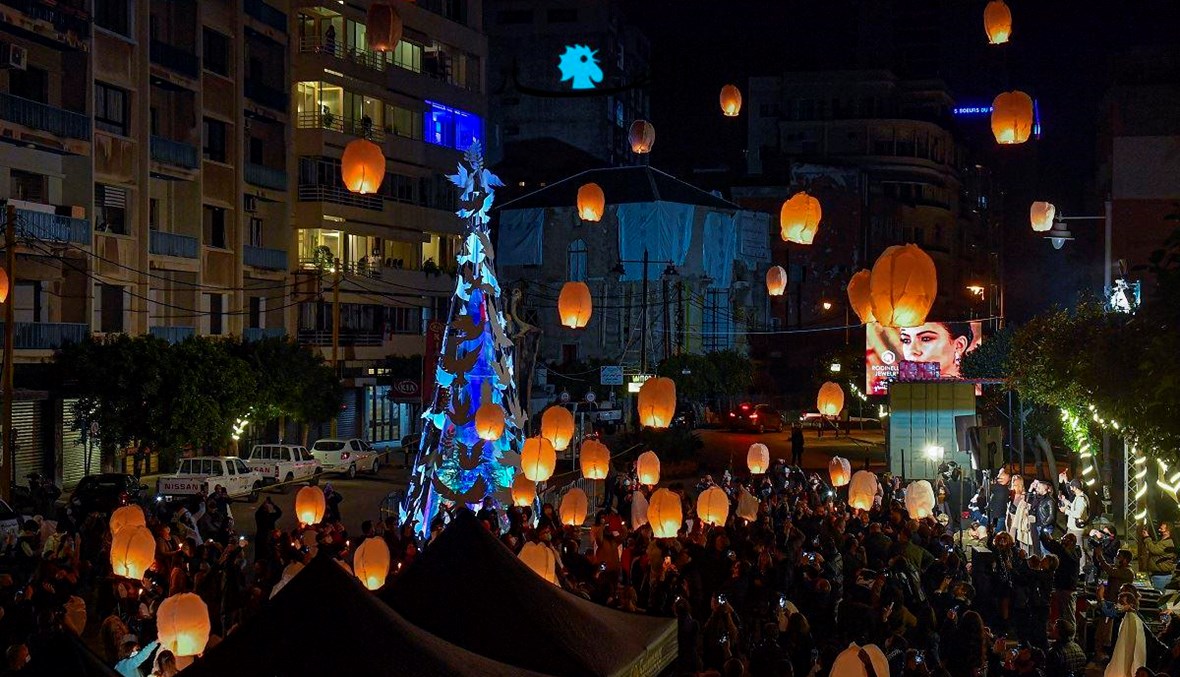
(171, 244)
(66, 17)
(36, 115)
(265, 177)
(338, 195)
(174, 152)
(315, 337)
(338, 123)
(314, 44)
(175, 58)
(47, 335)
(173, 334)
(266, 95)
(262, 257)
(52, 227)
(267, 14)
(259, 333)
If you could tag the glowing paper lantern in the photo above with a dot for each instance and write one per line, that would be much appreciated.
(489, 420)
(713, 506)
(1012, 117)
(574, 305)
(776, 281)
(830, 400)
(573, 507)
(997, 22)
(128, 515)
(758, 458)
(859, 296)
(591, 202)
(647, 468)
(664, 513)
(840, 471)
(370, 563)
(731, 101)
(852, 662)
(595, 460)
(182, 623)
(903, 286)
(557, 426)
(919, 499)
(799, 218)
(362, 166)
(133, 549)
(657, 402)
(541, 560)
(383, 27)
(747, 507)
(310, 505)
(3, 285)
(642, 136)
(1041, 215)
(537, 459)
(524, 491)
(638, 509)
(861, 489)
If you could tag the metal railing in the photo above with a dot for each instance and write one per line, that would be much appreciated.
(48, 335)
(262, 257)
(171, 244)
(337, 195)
(316, 45)
(175, 58)
(339, 123)
(174, 152)
(265, 177)
(315, 337)
(66, 17)
(52, 227)
(267, 14)
(173, 334)
(41, 116)
(259, 333)
(266, 95)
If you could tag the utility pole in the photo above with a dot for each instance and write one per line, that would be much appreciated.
(9, 460)
(336, 332)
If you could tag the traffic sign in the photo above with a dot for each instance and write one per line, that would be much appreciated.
(610, 376)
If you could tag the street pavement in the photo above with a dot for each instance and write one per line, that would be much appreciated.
(723, 447)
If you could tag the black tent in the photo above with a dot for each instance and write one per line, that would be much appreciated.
(325, 623)
(467, 588)
(64, 653)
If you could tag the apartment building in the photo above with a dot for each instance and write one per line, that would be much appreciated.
(423, 103)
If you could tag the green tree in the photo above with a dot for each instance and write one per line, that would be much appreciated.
(292, 382)
(695, 375)
(207, 388)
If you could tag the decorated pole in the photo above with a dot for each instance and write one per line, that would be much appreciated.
(455, 465)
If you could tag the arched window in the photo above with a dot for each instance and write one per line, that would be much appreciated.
(575, 261)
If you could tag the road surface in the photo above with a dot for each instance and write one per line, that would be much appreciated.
(723, 447)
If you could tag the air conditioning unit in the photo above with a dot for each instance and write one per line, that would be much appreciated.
(14, 56)
(250, 203)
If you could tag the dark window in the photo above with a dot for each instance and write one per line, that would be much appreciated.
(214, 222)
(110, 108)
(216, 52)
(214, 140)
(255, 231)
(27, 186)
(153, 214)
(31, 83)
(113, 15)
(216, 303)
(562, 16)
(569, 353)
(515, 16)
(255, 150)
(255, 311)
(111, 315)
(110, 208)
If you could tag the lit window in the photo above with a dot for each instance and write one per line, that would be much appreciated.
(446, 126)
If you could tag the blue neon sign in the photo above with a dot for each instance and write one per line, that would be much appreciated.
(451, 127)
(577, 63)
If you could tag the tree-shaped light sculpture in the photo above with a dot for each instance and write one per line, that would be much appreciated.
(454, 464)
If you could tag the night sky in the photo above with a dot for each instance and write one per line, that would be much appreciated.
(1059, 54)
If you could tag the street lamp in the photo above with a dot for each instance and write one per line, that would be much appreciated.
(975, 289)
(827, 305)
(1059, 234)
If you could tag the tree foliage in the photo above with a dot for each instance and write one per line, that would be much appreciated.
(717, 375)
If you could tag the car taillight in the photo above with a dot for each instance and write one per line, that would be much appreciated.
(753, 415)
(731, 414)
(344, 456)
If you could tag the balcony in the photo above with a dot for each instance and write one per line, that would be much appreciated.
(314, 44)
(338, 123)
(67, 18)
(315, 337)
(338, 195)
(45, 226)
(175, 153)
(175, 58)
(267, 15)
(48, 335)
(265, 177)
(266, 96)
(171, 244)
(259, 333)
(262, 257)
(43, 117)
(172, 334)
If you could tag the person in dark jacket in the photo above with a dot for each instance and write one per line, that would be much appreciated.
(332, 500)
(1044, 514)
(998, 500)
(797, 444)
(265, 518)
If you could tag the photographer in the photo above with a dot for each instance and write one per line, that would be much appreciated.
(1157, 557)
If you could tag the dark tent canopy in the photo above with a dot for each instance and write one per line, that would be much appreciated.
(325, 623)
(63, 653)
(467, 588)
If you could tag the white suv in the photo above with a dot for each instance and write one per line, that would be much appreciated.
(283, 462)
(206, 473)
(346, 456)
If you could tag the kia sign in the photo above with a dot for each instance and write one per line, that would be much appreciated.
(405, 389)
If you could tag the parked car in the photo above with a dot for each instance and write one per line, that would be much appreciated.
(756, 417)
(203, 474)
(346, 456)
(685, 416)
(106, 492)
(283, 463)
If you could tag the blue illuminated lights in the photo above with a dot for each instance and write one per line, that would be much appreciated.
(578, 64)
(972, 110)
(451, 127)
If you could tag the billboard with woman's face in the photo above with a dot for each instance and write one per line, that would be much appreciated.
(930, 351)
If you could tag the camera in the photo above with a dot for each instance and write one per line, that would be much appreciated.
(721, 598)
